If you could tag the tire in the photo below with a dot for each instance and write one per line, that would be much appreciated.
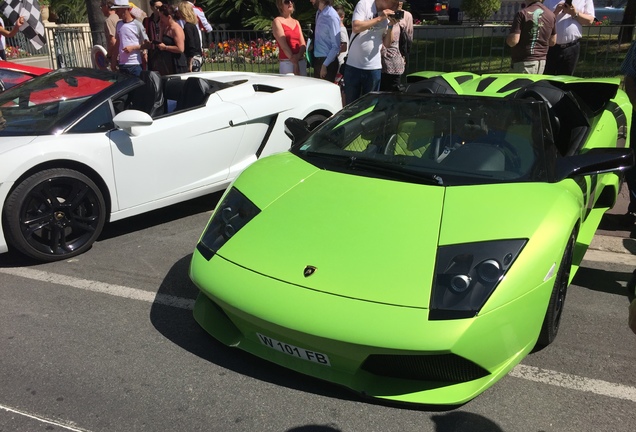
(54, 215)
(552, 319)
(314, 120)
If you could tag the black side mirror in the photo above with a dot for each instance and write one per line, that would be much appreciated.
(296, 129)
(595, 161)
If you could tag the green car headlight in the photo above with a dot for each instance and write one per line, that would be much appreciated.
(467, 274)
(234, 212)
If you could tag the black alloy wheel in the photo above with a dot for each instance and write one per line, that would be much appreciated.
(552, 319)
(54, 214)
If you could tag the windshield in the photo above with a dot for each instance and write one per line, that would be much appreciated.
(437, 139)
(35, 106)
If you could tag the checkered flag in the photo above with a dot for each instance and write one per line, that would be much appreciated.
(32, 28)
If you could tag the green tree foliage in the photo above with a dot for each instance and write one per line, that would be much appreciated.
(69, 11)
(480, 10)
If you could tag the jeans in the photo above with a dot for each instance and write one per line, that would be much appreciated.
(359, 82)
(134, 70)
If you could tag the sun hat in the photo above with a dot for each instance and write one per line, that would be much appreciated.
(120, 4)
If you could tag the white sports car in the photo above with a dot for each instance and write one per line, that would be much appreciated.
(79, 147)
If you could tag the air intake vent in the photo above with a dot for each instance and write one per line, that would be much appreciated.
(444, 367)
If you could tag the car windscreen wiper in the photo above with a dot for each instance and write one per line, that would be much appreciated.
(395, 170)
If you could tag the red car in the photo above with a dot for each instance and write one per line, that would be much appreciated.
(12, 74)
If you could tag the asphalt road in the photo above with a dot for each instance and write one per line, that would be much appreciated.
(106, 342)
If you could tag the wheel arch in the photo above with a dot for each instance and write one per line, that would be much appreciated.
(319, 111)
(73, 165)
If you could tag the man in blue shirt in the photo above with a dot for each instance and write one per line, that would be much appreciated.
(326, 40)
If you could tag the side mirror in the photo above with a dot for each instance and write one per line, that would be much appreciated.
(296, 129)
(595, 161)
(130, 121)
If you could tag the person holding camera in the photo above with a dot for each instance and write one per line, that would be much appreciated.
(533, 31)
(571, 16)
(372, 22)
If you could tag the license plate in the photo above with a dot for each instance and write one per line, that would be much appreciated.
(294, 351)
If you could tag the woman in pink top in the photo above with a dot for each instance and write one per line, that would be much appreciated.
(291, 42)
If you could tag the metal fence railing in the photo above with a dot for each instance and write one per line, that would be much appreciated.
(444, 48)
(483, 49)
(71, 45)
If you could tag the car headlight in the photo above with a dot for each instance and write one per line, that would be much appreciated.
(467, 274)
(234, 212)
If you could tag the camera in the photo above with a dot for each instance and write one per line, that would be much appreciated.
(568, 2)
(155, 42)
(399, 14)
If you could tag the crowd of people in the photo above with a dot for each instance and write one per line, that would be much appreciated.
(168, 41)
(373, 57)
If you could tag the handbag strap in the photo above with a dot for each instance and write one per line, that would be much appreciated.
(352, 39)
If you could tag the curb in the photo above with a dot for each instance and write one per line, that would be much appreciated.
(610, 249)
(613, 244)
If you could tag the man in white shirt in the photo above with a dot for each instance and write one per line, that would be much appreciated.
(372, 25)
(571, 16)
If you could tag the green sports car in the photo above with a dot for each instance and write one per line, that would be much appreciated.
(417, 245)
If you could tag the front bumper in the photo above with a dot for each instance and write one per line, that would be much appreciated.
(448, 362)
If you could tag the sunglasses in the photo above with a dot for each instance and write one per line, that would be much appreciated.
(288, 2)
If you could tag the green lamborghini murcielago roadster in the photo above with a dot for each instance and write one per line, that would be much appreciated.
(417, 245)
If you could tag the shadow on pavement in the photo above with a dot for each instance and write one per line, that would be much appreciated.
(460, 421)
(602, 280)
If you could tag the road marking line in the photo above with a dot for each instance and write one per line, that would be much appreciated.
(101, 287)
(529, 373)
(574, 382)
(43, 419)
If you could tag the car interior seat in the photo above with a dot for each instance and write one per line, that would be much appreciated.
(414, 137)
(569, 125)
(148, 97)
(195, 93)
(371, 127)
